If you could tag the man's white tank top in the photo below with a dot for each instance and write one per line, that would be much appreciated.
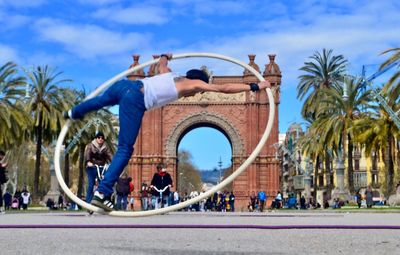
(159, 90)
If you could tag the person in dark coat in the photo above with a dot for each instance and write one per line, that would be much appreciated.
(160, 180)
(123, 190)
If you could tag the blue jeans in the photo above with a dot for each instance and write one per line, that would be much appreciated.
(91, 173)
(145, 202)
(130, 99)
(122, 202)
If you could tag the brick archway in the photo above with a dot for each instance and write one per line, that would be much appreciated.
(242, 117)
(203, 118)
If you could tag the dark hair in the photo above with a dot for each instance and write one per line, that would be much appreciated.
(160, 166)
(196, 74)
(99, 134)
(2, 153)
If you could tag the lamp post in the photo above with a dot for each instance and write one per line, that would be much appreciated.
(180, 181)
(307, 179)
(220, 169)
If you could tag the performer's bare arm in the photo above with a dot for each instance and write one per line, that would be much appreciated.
(230, 88)
(188, 87)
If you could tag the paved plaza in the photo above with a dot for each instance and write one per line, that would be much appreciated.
(282, 232)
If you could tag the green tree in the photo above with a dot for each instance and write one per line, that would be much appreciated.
(188, 173)
(311, 145)
(336, 115)
(378, 133)
(393, 85)
(46, 105)
(13, 118)
(322, 71)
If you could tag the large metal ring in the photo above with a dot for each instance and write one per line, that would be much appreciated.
(186, 203)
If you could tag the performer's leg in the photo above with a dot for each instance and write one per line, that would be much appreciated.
(131, 111)
(108, 98)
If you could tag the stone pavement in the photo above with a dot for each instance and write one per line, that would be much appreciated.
(282, 232)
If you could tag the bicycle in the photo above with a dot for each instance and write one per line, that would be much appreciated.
(101, 170)
(161, 191)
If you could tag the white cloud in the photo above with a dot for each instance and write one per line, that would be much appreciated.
(7, 53)
(88, 41)
(9, 21)
(133, 15)
(360, 36)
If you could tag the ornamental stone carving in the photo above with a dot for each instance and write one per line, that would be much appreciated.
(214, 98)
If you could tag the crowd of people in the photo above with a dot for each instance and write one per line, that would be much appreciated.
(20, 200)
(220, 201)
(158, 194)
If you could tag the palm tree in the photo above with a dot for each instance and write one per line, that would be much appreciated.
(322, 71)
(378, 133)
(336, 116)
(13, 119)
(394, 82)
(311, 145)
(46, 105)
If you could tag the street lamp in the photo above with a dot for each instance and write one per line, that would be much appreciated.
(220, 169)
(180, 181)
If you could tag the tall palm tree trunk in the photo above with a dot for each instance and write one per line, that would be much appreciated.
(350, 170)
(38, 156)
(81, 166)
(316, 184)
(327, 166)
(390, 164)
(66, 169)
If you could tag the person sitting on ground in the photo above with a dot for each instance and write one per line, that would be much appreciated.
(134, 99)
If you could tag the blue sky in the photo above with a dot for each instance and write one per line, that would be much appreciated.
(92, 40)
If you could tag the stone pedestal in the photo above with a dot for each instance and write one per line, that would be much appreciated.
(307, 188)
(339, 191)
(320, 197)
(54, 191)
(394, 200)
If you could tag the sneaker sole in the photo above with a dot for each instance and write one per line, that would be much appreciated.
(101, 205)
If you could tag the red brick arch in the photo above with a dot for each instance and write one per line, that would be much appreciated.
(201, 119)
(241, 117)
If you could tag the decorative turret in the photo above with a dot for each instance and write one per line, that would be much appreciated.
(252, 57)
(153, 68)
(272, 68)
(139, 74)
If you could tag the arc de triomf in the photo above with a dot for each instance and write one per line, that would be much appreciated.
(241, 117)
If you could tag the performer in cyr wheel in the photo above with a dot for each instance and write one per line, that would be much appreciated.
(134, 99)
